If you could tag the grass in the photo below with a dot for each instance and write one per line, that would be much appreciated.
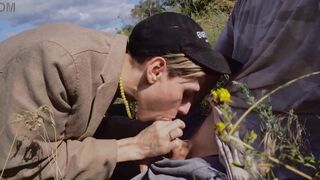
(282, 137)
(33, 122)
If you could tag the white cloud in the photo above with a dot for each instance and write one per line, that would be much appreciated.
(110, 29)
(99, 14)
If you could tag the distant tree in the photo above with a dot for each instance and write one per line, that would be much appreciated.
(190, 7)
(126, 29)
(147, 8)
(210, 14)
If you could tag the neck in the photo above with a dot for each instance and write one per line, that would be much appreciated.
(131, 74)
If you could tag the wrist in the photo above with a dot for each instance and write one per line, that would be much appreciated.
(128, 150)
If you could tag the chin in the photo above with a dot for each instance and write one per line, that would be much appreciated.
(154, 118)
(144, 118)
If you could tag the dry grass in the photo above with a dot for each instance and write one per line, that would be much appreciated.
(33, 121)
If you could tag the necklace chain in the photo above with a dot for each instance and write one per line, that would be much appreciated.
(124, 99)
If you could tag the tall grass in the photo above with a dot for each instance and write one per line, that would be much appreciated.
(34, 122)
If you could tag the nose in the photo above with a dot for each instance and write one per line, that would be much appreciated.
(184, 108)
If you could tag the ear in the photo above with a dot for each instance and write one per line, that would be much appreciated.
(155, 68)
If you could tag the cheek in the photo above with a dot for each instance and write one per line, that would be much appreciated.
(169, 96)
(160, 99)
(159, 102)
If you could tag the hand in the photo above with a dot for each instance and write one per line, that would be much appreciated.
(159, 138)
(181, 152)
(178, 153)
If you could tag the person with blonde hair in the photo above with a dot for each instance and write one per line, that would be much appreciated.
(59, 80)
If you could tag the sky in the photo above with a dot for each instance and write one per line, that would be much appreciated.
(105, 15)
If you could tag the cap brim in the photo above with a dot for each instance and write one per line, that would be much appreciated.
(209, 59)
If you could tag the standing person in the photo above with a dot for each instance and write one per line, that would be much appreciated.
(58, 80)
(277, 41)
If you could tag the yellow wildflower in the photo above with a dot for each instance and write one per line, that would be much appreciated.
(221, 95)
(215, 96)
(220, 126)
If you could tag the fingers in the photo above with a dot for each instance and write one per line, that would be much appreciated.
(176, 124)
(176, 133)
(158, 138)
(176, 143)
(172, 129)
(181, 152)
(175, 129)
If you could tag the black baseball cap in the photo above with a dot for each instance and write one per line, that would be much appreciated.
(168, 33)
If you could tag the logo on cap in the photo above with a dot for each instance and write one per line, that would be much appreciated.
(202, 35)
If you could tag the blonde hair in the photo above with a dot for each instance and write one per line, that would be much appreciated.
(179, 65)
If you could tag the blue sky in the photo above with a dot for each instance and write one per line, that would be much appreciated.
(105, 15)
